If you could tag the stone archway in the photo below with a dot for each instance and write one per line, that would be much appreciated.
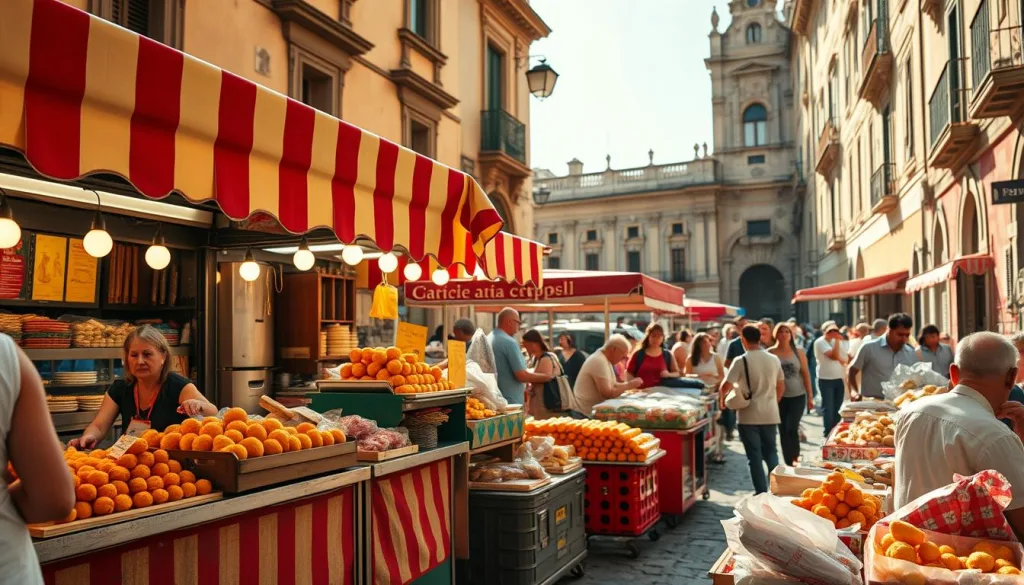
(763, 292)
(741, 252)
(972, 291)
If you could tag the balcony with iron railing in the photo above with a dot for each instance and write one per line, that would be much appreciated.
(951, 131)
(884, 197)
(647, 179)
(997, 68)
(828, 148)
(501, 132)
(877, 59)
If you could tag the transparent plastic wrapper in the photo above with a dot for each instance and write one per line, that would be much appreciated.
(480, 352)
(920, 374)
(353, 425)
(331, 373)
(503, 471)
(653, 411)
(794, 543)
(484, 387)
(384, 440)
(537, 448)
(970, 506)
(882, 570)
(747, 571)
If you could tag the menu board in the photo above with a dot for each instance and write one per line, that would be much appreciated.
(457, 363)
(14, 266)
(51, 256)
(411, 339)
(81, 283)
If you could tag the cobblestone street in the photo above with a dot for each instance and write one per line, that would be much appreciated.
(683, 555)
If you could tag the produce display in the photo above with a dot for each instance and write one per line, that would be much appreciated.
(652, 410)
(841, 502)
(868, 430)
(476, 410)
(596, 440)
(912, 393)
(903, 541)
(403, 372)
(93, 333)
(245, 438)
(138, 479)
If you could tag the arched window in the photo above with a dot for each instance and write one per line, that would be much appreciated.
(755, 125)
(753, 34)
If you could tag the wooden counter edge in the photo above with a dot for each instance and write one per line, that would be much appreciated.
(71, 545)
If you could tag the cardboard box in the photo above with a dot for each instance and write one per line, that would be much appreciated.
(496, 429)
(721, 572)
(831, 451)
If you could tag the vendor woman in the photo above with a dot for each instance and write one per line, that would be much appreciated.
(150, 395)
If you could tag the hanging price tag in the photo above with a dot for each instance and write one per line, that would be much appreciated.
(120, 447)
(457, 363)
(411, 339)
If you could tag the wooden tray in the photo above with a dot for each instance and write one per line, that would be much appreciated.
(52, 530)
(564, 469)
(385, 455)
(234, 476)
(518, 485)
(381, 387)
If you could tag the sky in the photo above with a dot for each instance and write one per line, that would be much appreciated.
(631, 78)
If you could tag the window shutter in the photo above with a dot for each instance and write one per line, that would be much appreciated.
(137, 19)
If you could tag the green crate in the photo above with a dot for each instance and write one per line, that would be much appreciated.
(497, 429)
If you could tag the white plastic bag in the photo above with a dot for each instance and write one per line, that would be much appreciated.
(485, 387)
(480, 352)
(920, 373)
(791, 542)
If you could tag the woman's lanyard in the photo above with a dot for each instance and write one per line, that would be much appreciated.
(149, 408)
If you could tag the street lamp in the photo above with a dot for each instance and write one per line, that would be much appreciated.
(541, 196)
(541, 79)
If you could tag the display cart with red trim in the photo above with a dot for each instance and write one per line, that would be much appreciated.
(622, 501)
(682, 472)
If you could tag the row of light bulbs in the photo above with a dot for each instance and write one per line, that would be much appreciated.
(353, 255)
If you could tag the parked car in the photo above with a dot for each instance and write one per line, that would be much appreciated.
(589, 336)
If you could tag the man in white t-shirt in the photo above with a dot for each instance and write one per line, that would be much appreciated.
(596, 381)
(960, 432)
(757, 374)
(831, 364)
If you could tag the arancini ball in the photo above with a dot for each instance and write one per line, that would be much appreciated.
(235, 435)
(154, 440)
(161, 456)
(326, 438)
(271, 424)
(291, 430)
(141, 471)
(203, 443)
(237, 425)
(253, 446)
(70, 517)
(240, 452)
(173, 466)
(148, 459)
(339, 435)
(83, 510)
(234, 414)
(137, 484)
(294, 443)
(188, 489)
(172, 429)
(305, 427)
(86, 492)
(97, 478)
(221, 441)
(171, 479)
(272, 447)
(160, 495)
(120, 486)
(106, 465)
(190, 425)
(212, 429)
(281, 436)
(304, 439)
(314, 438)
(256, 431)
(107, 490)
(170, 441)
(160, 470)
(119, 473)
(187, 476)
(174, 493)
(187, 441)
(103, 506)
(142, 500)
(122, 502)
(154, 483)
(203, 487)
(139, 446)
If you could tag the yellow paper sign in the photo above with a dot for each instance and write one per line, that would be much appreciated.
(411, 339)
(457, 363)
(48, 273)
(852, 475)
(81, 287)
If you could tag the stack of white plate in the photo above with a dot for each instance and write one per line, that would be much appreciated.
(340, 340)
(62, 403)
(75, 378)
(92, 402)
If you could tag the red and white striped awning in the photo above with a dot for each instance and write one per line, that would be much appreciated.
(974, 264)
(79, 95)
(887, 283)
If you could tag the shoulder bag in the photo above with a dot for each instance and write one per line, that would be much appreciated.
(558, 394)
(735, 399)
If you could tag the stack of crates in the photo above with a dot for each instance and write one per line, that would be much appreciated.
(527, 538)
(621, 500)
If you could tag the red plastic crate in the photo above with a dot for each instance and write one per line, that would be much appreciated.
(621, 500)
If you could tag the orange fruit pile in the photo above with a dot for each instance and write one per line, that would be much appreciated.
(842, 502)
(906, 542)
(235, 433)
(596, 440)
(138, 479)
(476, 410)
(405, 374)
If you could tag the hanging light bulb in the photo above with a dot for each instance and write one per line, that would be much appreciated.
(388, 263)
(440, 277)
(249, 270)
(413, 271)
(10, 231)
(303, 258)
(352, 255)
(97, 242)
(157, 254)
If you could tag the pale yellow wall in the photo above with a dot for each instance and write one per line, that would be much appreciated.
(894, 251)
(331, 8)
(370, 102)
(449, 142)
(452, 42)
(421, 65)
(378, 21)
(226, 34)
(470, 80)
